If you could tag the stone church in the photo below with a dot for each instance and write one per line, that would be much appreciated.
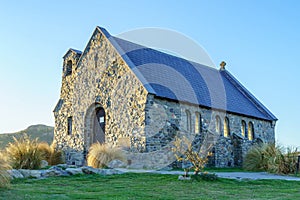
(140, 99)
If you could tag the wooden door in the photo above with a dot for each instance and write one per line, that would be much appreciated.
(99, 126)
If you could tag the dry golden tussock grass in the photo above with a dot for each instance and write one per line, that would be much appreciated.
(101, 154)
(4, 175)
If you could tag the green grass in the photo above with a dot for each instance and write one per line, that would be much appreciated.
(231, 169)
(147, 186)
(217, 169)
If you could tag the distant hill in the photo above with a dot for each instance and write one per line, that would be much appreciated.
(43, 132)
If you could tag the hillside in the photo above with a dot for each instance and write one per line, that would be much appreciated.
(43, 132)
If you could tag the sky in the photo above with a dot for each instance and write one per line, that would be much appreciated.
(259, 40)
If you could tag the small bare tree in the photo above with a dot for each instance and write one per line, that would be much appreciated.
(185, 152)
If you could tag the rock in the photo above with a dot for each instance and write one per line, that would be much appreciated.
(15, 174)
(44, 163)
(58, 170)
(31, 173)
(64, 166)
(116, 164)
(53, 172)
(74, 171)
(90, 170)
(35, 174)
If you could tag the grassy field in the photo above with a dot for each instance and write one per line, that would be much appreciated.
(147, 186)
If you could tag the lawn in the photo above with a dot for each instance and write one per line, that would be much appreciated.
(147, 186)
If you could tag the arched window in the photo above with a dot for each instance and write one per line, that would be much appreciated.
(218, 124)
(243, 128)
(69, 68)
(188, 121)
(226, 127)
(250, 131)
(198, 123)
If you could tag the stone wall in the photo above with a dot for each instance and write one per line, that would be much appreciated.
(166, 119)
(100, 78)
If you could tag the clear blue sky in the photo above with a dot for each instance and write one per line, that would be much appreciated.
(259, 40)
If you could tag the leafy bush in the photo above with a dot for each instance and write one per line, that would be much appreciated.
(101, 154)
(271, 158)
(50, 154)
(4, 166)
(24, 153)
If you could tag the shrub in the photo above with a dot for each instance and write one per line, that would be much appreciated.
(24, 153)
(285, 162)
(271, 158)
(50, 154)
(256, 158)
(184, 151)
(4, 166)
(101, 154)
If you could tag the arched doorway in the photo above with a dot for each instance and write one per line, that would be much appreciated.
(99, 126)
(94, 130)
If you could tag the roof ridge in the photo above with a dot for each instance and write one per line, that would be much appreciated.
(181, 58)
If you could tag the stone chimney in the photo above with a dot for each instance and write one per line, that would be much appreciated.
(222, 65)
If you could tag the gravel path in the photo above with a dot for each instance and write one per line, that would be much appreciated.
(230, 175)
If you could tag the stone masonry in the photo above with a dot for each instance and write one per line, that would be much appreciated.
(85, 88)
(141, 123)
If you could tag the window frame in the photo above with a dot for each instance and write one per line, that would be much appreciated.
(69, 68)
(250, 131)
(243, 129)
(69, 125)
(188, 121)
(198, 124)
(218, 124)
(226, 127)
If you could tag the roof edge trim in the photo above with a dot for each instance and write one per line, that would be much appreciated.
(248, 94)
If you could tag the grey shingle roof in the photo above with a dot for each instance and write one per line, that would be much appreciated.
(175, 78)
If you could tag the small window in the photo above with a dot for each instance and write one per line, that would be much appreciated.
(226, 127)
(243, 128)
(250, 131)
(188, 121)
(69, 125)
(198, 123)
(69, 68)
(218, 124)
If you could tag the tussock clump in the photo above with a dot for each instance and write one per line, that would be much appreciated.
(4, 166)
(101, 154)
(271, 158)
(23, 153)
(50, 153)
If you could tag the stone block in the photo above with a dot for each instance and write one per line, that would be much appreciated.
(30, 173)
(116, 164)
(74, 171)
(14, 173)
